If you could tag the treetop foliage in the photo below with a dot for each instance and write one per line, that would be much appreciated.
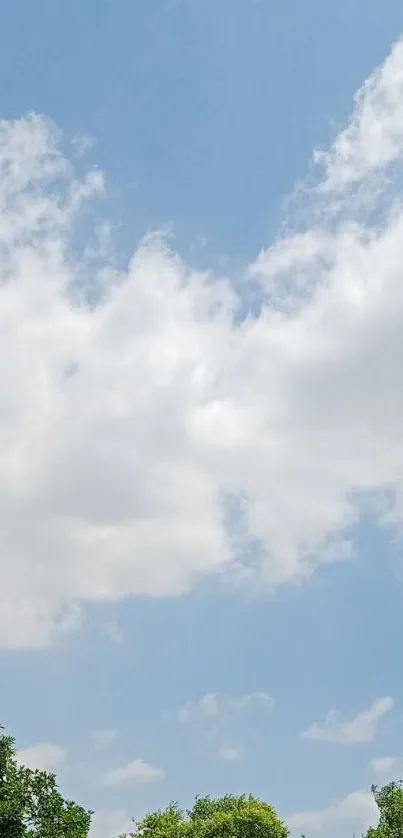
(31, 805)
(225, 817)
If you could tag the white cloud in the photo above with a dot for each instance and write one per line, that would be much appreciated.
(362, 728)
(43, 757)
(387, 768)
(215, 707)
(108, 824)
(374, 137)
(229, 753)
(103, 737)
(135, 772)
(127, 425)
(357, 811)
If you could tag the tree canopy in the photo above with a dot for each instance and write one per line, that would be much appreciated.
(389, 800)
(225, 817)
(31, 805)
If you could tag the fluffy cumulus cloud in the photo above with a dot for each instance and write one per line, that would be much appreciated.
(148, 437)
(44, 757)
(357, 812)
(133, 773)
(362, 728)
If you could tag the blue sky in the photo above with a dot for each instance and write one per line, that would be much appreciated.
(153, 647)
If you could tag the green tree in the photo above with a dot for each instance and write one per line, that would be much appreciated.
(226, 817)
(389, 800)
(31, 805)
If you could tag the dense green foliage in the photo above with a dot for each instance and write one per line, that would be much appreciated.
(389, 800)
(31, 805)
(227, 817)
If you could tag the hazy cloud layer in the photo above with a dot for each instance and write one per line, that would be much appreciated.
(44, 757)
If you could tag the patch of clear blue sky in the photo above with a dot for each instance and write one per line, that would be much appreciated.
(205, 113)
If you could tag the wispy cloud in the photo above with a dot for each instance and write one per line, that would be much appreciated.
(82, 143)
(214, 716)
(362, 728)
(103, 737)
(229, 753)
(221, 707)
(114, 632)
(374, 137)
